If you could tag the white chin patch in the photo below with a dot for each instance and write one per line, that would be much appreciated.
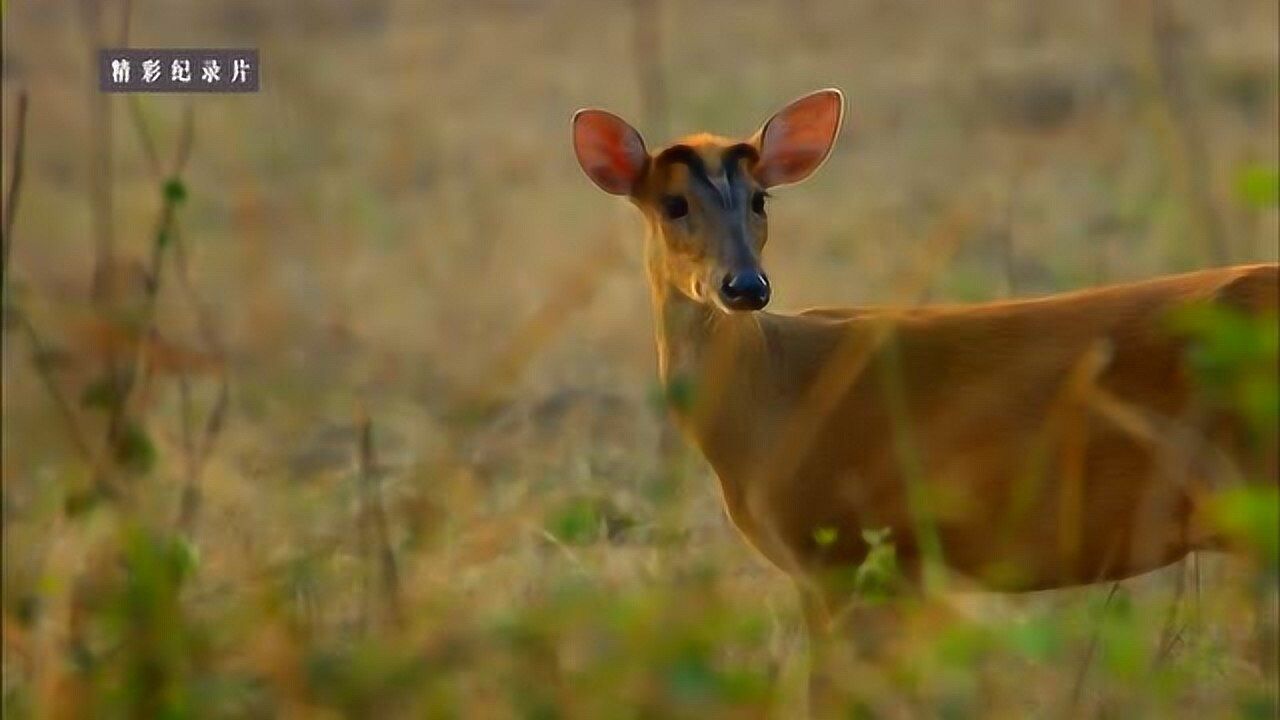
(716, 302)
(698, 291)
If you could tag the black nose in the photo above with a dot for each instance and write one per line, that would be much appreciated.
(747, 290)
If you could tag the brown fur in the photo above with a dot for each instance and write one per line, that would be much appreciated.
(1024, 444)
(990, 410)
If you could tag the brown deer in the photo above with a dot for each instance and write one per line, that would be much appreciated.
(1023, 444)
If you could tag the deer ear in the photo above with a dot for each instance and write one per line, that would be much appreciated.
(798, 138)
(609, 150)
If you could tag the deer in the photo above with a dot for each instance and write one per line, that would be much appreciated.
(1023, 444)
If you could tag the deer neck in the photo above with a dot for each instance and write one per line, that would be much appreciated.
(712, 367)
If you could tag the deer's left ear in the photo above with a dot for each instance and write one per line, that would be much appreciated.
(798, 138)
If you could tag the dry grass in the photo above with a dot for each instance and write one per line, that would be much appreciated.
(395, 229)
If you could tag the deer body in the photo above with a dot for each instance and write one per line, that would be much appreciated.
(982, 388)
(1027, 444)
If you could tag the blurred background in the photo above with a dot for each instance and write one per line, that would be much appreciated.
(340, 399)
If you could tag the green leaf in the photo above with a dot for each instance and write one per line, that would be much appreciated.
(1233, 357)
(825, 536)
(80, 502)
(134, 449)
(185, 557)
(1256, 705)
(175, 191)
(577, 522)
(1259, 186)
(961, 645)
(691, 677)
(1251, 514)
(877, 576)
(1039, 640)
(876, 538)
(102, 394)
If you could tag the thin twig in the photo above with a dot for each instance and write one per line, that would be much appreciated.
(166, 235)
(1171, 634)
(551, 538)
(647, 31)
(138, 371)
(186, 138)
(374, 522)
(196, 453)
(39, 353)
(100, 195)
(204, 317)
(192, 492)
(1077, 687)
(145, 137)
(1197, 587)
(1188, 146)
(103, 483)
(1008, 252)
(15, 187)
(126, 15)
(217, 419)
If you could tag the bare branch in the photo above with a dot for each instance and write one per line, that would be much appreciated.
(144, 136)
(374, 523)
(186, 137)
(647, 44)
(1077, 687)
(15, 185)
(38, 354)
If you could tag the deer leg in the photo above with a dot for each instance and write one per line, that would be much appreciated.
(822, 700)
(849, 643)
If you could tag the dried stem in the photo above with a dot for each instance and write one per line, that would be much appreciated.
(1187, 135)
(1171, 635)
(65, 409)
(137, 372)
(39, 352)
(648, 57)
(1077, 687)
(196, 451)
(100, 146)
(198, 455)
(375, 534)
(144, 135)
(15, 188)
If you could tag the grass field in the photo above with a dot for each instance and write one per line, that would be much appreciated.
(395, 445)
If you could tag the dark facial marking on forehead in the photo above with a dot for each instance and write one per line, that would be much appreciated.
(732, 156)
(697, 168)
(741, 151)
(682, 154)
(723, 184)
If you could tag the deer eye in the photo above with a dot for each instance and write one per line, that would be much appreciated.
(675, 206)
(757, 202)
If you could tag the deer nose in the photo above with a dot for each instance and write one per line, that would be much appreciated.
(748, 290)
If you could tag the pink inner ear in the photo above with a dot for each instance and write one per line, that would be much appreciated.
(796, 161)
(611, 153)
(608, 174)
(797, 139)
